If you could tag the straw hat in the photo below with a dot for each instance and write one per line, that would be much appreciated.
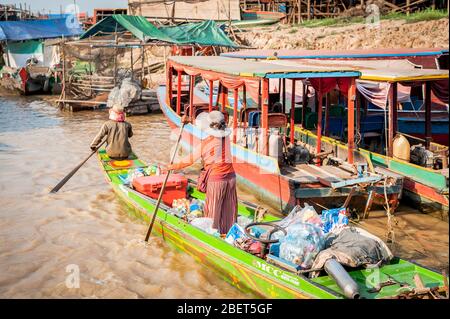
(204, 121)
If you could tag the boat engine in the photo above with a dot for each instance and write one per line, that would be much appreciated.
(298, 155)
(421, 156)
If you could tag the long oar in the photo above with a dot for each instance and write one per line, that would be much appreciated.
(149, 231)
(69, 176)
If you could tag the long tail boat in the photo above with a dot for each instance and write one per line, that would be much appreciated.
(252, 274)
(258, 166)
(426, 187)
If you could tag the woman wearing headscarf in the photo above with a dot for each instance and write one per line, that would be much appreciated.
(215, 152)
(117, 132)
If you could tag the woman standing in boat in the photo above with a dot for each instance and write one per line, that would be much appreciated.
(117, 132)
(218, 171)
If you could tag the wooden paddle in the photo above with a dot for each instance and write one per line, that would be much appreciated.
(69, 176)
(164, 185)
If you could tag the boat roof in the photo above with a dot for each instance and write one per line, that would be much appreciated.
(264, 69)
(334, 54)
(382, 71)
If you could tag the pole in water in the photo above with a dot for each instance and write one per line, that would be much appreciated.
(69, 176)
(149, 231)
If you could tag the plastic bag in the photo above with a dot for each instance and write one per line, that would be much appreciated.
(333, 219)
(301, 244)
(298, 214)
(244, 221)
(205, 224)
(235, 233)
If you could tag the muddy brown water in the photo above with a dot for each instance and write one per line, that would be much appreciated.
(45, 238)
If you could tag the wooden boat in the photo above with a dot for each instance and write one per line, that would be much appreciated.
(425, 187)
(257, 167)
(250, 273)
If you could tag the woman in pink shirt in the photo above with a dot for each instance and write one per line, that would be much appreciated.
(215, 152)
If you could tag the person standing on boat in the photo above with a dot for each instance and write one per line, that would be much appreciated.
(117, 132)
(215, 152)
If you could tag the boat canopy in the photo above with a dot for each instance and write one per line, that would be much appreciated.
(205, 33)
(334, 54)
(254, 69)
(38, 29)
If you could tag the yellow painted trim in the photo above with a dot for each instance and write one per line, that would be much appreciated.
(382, 78)
(362, 151)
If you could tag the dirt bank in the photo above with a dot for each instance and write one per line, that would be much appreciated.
(388, 34)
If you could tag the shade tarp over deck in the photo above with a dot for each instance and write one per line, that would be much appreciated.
(137, 25)
(39, 29)
(205, 33)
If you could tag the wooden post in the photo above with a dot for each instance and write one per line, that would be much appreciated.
(358, 111)
(170, 80)
(319, 121)
(142, 72)
(224, 98)
(408, 9)
(304, 96)
(179, 92)
(292, 117)
(308, 7)
(264, 115)
(392, 116)
(211, 94)
(351, 121)
(191, 97)
(235, 113)
(284, 96)
(132, 64)
(428, 133)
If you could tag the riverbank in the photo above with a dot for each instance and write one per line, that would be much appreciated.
(395, 33)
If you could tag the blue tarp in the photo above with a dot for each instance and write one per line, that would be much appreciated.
(39, 29)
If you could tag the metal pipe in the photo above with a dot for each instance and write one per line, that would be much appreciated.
(348, 286)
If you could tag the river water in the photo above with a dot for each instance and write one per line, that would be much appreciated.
(46, 239)
(43, 237)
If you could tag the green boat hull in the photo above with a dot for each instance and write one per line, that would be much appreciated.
(244, 271)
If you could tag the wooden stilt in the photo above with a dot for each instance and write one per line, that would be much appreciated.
(235, 113)
(211, 95)
(179, 92)
(351, 121)
(191, 96)
(264, 115)
(428, 114)
(292, 116)
(392, 117)
(319, 122)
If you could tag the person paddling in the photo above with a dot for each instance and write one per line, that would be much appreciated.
(220, 178)
(117, 132)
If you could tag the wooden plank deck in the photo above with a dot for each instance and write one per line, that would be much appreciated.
(310, 173)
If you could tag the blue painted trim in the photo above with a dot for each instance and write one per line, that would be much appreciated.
(313, 75)
(339, 56)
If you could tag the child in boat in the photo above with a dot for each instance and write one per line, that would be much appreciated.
(117, 132)
(215, 151)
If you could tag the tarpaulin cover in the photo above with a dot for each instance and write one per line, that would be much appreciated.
(204, 33)
(38, 29)
(137, 25)
(377, 93)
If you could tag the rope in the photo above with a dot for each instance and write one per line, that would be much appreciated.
(390, 217)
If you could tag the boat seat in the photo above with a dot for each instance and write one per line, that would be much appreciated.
(254, 118)
(243, 114)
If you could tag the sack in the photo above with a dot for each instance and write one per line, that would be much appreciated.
(202, 181)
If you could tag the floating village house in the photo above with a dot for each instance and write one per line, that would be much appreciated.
(122, 47)
(30, 54)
